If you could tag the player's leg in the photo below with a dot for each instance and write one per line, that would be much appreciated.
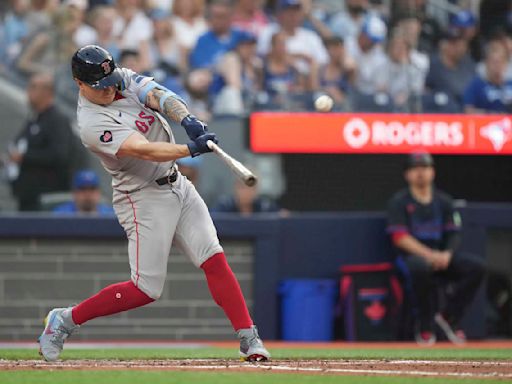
(420, 275)
(464, 276)
(197, 237)
(149, 235)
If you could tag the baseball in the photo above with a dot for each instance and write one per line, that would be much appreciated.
(324, 103)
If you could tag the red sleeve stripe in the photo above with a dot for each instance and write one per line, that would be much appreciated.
(397, 236)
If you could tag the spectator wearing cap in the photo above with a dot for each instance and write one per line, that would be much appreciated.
(452, 68)
(402, 76)
(221, 37)
(424, 227)
(491, 93)
(367, 52)
(347, 24)
(466, 22)
(237, 77)
(249, 16)
(281, 78)
(86, 196)
(335, 77)
(304, 45)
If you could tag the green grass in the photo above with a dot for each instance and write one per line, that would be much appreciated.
(127, 376)
(141, 377)
(231, 353)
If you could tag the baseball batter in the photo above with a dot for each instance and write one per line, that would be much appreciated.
(120, 120)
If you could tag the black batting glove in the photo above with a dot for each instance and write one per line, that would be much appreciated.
(194, 127)
(198, 146)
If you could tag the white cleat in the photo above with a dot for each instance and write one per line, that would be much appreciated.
(251, 346)
(57, 329)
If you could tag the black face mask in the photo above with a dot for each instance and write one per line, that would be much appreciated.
(356, 9)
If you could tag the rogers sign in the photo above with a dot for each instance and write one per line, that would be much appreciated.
(357, 133)
(379, 133)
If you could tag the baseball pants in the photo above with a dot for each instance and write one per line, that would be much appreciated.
(461, 281)
(156, 217)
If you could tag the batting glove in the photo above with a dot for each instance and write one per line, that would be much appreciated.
(199, 146)
(194, 127)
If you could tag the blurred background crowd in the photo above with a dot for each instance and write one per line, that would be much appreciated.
(231, 57)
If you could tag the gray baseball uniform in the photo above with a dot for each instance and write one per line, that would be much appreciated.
(151, 215)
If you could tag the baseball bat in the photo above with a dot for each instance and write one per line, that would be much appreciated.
(237, 167)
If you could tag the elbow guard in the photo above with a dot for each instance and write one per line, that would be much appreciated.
(143, 93)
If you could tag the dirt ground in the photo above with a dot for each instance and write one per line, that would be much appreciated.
(497, 370)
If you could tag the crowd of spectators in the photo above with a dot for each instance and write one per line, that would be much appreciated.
(230, 57)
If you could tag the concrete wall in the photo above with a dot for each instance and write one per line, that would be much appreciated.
(39, 274)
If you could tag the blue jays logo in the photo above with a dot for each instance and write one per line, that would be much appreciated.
(498, 133)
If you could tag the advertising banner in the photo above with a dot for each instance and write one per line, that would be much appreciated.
(272, 132)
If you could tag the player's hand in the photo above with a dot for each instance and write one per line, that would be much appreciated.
(194, 127)
(199, 145)
(440, 260)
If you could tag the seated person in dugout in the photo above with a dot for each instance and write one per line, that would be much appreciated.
(425, 228)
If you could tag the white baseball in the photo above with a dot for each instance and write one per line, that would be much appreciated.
(324, 103)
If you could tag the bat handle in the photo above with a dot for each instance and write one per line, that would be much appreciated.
(210, 144)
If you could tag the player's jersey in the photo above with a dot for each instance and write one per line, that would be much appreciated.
(104, 128)
(428, 223)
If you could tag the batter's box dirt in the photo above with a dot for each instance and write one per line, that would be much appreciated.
(498, 370)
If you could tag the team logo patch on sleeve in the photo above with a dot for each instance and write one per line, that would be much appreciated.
(106, 137)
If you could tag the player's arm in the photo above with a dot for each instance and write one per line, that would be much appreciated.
(159, 98)
(412, 246)
(164, 102)
(139, 147)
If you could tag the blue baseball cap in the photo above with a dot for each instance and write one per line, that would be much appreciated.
(374, 28)
(463, 19)
(246, 37)
(85, 179)
(285, 4)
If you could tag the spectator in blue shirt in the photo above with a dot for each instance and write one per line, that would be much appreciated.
(492, 92)
(86, 196)
(219, 39)
(15, 31)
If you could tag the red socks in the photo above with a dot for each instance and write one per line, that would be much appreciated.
(121, 297)
(226, 291)
(113, 299)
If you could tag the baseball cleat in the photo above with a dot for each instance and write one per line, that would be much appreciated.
(456, 336)
(56, 330)
(425, 338)
(251, 346)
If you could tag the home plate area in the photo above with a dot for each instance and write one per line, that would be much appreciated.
(411, 368)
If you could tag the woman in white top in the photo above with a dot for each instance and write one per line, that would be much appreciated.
(189, 21)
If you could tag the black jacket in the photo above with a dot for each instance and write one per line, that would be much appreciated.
(46, 165)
